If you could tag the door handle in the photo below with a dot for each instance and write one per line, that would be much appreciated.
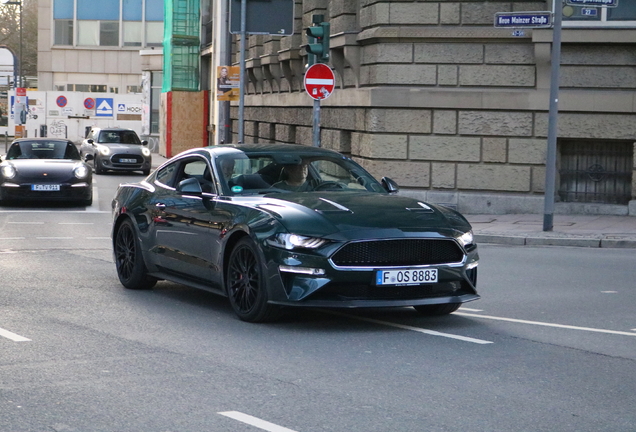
(160, 206)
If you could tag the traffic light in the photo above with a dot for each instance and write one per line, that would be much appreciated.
(318, 35)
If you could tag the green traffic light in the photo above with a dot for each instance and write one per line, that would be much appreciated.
(319, 41)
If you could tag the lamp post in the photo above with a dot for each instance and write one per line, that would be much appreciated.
(19, 3)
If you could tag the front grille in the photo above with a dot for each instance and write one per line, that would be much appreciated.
(403, 252)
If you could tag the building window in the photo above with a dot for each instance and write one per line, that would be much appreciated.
(134, 89)
(81, 22)
(623, 15)
(596, 171)
(63, 32)
(87, 88)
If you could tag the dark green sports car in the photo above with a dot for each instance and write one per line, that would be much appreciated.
(274, 225)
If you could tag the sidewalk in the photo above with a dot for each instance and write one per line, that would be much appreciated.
(568, 230)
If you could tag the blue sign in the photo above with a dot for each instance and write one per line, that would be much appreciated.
(104, 107)
(606, 3)
(523, 19)
(589, 12)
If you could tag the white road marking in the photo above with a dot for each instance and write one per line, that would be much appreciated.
(415, 329)
(544, 324)
(609, 292)
(12, 238)
(55, 211)
(14, 337)
(254, 421)
(471, 310)
(54, 238)
(26, 223)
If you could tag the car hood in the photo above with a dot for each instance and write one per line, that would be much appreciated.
(44, 169)
(362, 214)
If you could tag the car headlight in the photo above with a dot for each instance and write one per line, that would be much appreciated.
(105, 151)
(8, 171)
(80, 172)
(145, 151)
(295, 241)
(466, 239)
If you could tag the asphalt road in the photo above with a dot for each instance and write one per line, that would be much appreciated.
(550, 347)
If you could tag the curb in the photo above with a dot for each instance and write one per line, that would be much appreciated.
(613, 242)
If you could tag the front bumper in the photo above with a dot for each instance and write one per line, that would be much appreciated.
(112, 163)
(68, 192)
(355, 287)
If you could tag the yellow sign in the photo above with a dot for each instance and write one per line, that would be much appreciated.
(227, 83)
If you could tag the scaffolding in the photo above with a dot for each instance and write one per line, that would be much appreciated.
(181, 45)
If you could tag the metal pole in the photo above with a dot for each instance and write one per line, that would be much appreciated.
(20, 61)
(241, 131)
(316, 123)
(550, 169)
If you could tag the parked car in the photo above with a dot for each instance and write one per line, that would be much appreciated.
(277, 225)
(116, 149)
(45, 169)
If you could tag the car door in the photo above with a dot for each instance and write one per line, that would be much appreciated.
(184, 223)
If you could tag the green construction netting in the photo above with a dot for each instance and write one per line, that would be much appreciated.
(181, 53)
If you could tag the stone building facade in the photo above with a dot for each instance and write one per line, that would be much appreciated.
(430, 94)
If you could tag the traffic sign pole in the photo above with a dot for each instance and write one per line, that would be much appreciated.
(550, 168)
(316, 124)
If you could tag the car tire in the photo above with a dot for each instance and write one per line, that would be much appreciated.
(246, 284)
(129, 261)
(146, 172)
(99, 169)
(438, 309)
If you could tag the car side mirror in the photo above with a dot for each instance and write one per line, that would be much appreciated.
(390, 186)
(90, 141)
(88, 157)
(144, 142)
(190, 185)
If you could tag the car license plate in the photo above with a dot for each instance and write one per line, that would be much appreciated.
(46, 188)
(406, 277)
(127, 160)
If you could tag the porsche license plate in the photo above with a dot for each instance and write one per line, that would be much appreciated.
(127, 160)
(406, 277)
(46, 188)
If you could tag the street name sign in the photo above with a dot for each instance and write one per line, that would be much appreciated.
(319, 81)
(542, 19)
(597, 3)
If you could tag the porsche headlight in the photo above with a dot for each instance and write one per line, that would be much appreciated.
(295, 241)
(145, 151)
(466, 239)
(105, 151)
(8, 171)
(80, 172)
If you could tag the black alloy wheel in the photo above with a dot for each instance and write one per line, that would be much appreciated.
(438, 309)
(245, 284)
(131, 268)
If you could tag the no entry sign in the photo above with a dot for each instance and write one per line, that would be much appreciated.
(319, 81)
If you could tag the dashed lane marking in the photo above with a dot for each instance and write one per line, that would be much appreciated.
(411, 328)
(12, 336)
(545, 324)
(254, 421)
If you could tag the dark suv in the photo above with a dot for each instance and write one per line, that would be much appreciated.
(116, 149)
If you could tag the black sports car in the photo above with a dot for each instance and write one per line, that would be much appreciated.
(47, 169)
(277, 225)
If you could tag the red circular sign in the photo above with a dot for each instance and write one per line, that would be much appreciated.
(89, 103)
(319, 81)
(61, 101)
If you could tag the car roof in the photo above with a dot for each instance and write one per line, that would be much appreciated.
(273, 148)
(41, 139)
(112, 129)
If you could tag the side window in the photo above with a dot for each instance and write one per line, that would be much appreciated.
(197, 168)
(166, 175)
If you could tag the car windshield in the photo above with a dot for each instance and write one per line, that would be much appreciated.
(43, 150)
(268, 173)
(118, 137)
